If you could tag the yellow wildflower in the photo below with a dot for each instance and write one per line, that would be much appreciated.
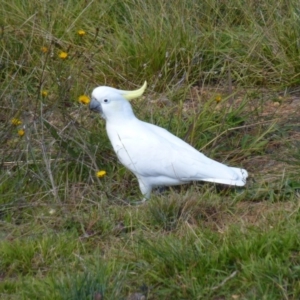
(63, 55)
(84, 99)
(101, 173)
(44, 93)
(218, 98)
(16, 122)
(21, 132)
(81, 32)
(44, 49)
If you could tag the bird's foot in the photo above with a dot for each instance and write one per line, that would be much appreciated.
(143, 201)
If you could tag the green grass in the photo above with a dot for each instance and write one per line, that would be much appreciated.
(66, 234)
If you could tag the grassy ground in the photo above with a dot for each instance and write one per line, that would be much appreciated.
(222, 75)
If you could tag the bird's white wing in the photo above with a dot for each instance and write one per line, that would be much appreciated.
(172, 139)
(151, 151)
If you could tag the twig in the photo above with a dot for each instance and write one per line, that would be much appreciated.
(29, 162)
(234, 128)
(224, 281)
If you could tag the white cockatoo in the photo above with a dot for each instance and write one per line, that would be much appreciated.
(156, 156)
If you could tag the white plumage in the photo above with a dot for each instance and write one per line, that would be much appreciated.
(153, 154)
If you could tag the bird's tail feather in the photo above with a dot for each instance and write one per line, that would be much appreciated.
(242, 173)
(240, 179)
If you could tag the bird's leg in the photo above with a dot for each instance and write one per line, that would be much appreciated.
(145, 189)
(161, 189)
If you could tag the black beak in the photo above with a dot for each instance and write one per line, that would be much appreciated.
(95, 106)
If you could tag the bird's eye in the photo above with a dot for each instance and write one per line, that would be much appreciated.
(105, 100)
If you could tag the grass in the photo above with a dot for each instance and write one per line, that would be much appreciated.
(223, 76)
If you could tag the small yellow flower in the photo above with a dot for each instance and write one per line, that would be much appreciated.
(16, 122)
(63, 55)
(218, 98)
(81, 32)
(21, 132)
(44, 49)
(84, 99)
(101, 173)
(44, 93)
